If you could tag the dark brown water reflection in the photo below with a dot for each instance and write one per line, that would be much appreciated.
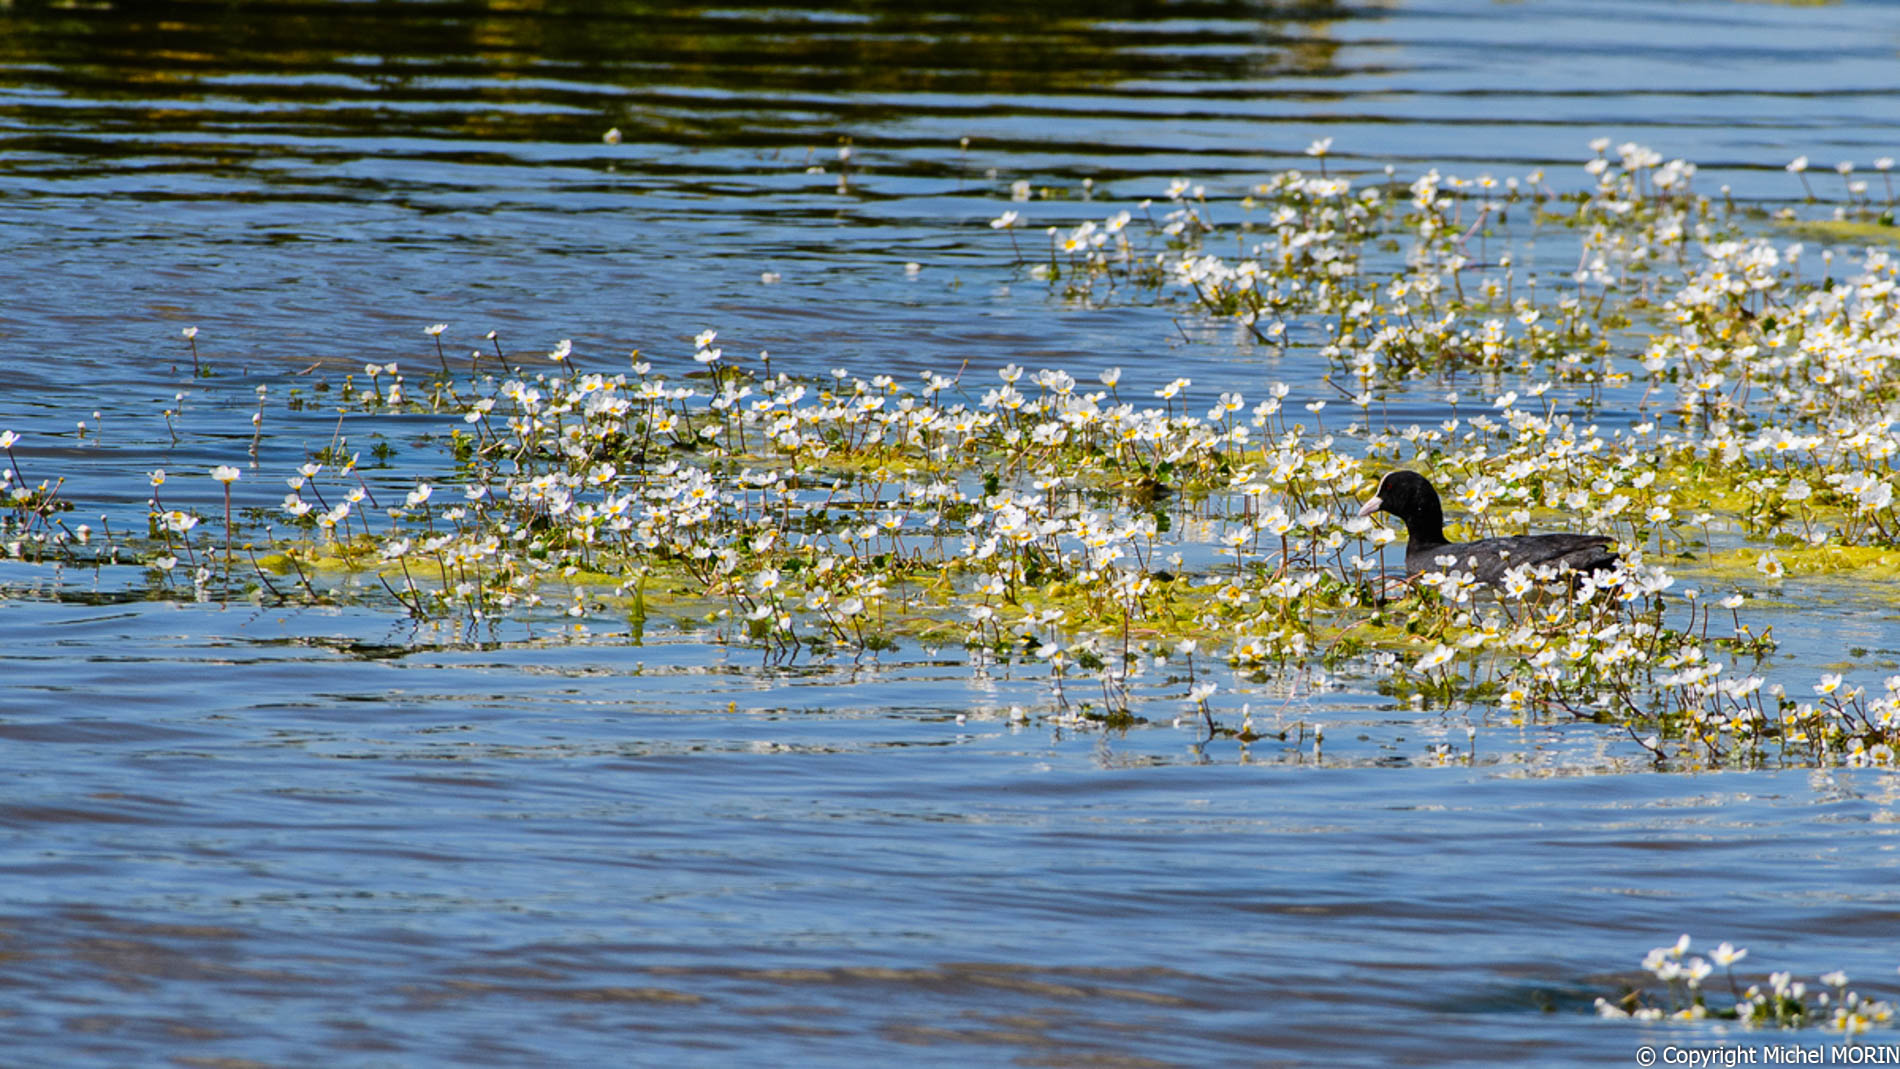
(322, 837)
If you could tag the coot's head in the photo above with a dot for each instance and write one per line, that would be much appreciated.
(1405, 494)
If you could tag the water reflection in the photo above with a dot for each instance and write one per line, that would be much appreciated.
(730, 76)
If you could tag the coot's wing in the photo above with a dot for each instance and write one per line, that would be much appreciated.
(1577, 552)
(1490, 558)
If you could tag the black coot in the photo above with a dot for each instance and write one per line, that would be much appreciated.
(1409, 496)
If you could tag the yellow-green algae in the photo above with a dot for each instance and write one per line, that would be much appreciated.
(1843, 231)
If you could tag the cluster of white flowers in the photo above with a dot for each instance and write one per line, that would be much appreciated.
(1093, 528)
(1783, 1002)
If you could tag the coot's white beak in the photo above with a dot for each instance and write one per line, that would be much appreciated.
(1371, 506)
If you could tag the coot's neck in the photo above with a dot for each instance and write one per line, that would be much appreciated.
(1425, 527)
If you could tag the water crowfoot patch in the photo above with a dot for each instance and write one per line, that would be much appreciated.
(1707, 988)
(1107, 538)
(1099, 540)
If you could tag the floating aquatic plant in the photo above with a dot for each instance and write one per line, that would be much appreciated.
(1690, 982)
(1098, 531)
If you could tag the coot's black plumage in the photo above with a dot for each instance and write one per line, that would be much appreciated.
(1409, 496)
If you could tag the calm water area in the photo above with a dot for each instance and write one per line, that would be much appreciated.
(243, 835)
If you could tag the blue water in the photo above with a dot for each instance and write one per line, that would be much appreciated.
(305, 836)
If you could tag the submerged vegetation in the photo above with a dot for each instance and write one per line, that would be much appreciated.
(1720, 402)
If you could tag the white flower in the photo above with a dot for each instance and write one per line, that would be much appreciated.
(225, 474)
